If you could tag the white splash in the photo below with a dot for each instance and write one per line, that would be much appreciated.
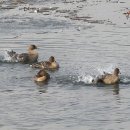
(92, 78)
(125, 79)
(86, 79)
(4, 56)
(108, 69)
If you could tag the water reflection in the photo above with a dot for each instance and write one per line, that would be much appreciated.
(42, 90)
(114, 88)
(42, 86)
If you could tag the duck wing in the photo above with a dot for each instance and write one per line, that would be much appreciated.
(46, 64)
(36, 65)
(13, 55)
(42, 64)
(101, 78)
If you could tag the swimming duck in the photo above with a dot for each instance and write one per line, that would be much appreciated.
(30, 57)
(110, 79)
(51, 64)
(41, 76)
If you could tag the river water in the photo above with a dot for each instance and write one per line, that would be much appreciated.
(86, 37)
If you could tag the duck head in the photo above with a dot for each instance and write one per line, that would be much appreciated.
(51, 59)
(116, 71)
(32, 47)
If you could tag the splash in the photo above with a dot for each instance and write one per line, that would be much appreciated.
(5, 57)
(87, 79)
(125, 80)
(107, 69)
(92, 78)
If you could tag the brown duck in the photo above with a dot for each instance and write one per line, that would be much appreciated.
(51, 64)
(41, 76)
(110, 78)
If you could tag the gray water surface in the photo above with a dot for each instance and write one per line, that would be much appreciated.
(87, 37)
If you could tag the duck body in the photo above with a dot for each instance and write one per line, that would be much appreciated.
(27, 58)
(51, 64)
(109, 79)
(42, 76)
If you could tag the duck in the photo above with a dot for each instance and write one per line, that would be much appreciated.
(51, 64)
(30, 57)
(41, 76)
(109, 79)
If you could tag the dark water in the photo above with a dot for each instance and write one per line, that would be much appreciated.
(87, 37)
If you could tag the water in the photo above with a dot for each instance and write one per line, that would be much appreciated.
(87, 37)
